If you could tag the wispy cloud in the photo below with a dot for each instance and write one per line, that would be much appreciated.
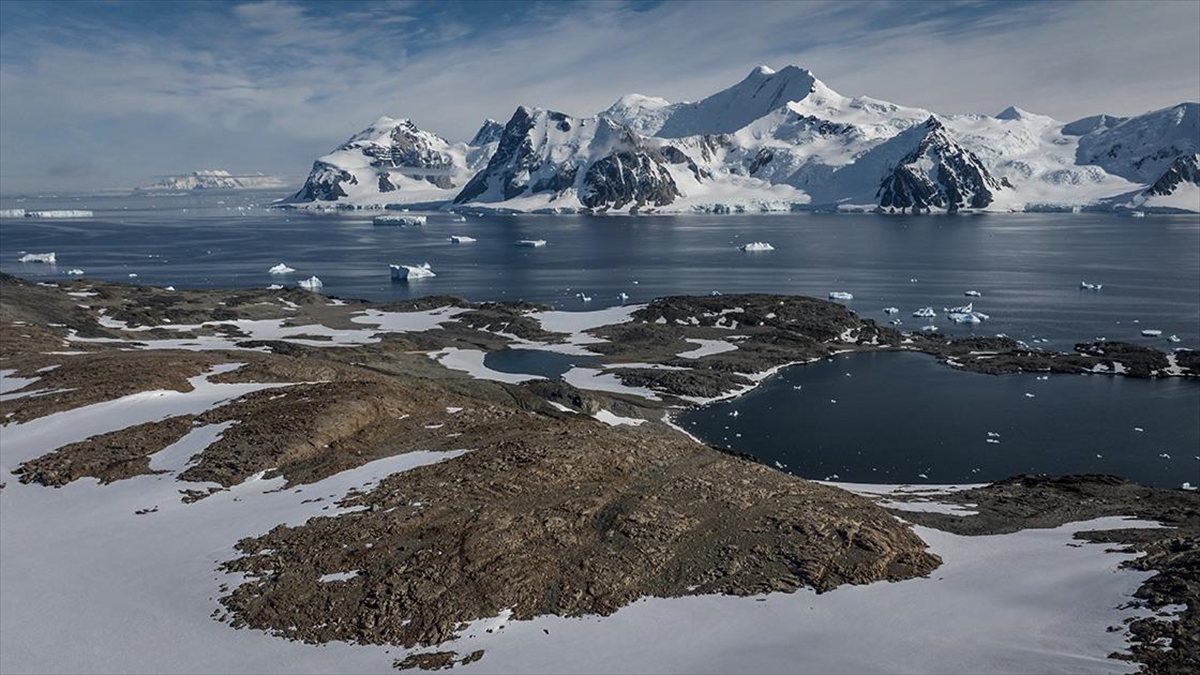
(146, 89)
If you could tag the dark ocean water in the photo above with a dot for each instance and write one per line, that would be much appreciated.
(907, 415)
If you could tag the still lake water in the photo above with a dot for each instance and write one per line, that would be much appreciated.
(1027, 266)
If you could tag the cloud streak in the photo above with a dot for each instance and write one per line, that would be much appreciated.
(141, 90)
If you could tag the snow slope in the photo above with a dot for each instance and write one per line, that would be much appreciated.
(780, 140)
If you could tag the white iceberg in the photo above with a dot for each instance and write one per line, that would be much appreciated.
(623, 297)
(756, 246)
(1173, 338)
(66, 213)
(410, 272)
(311, 284)
(585, 298)
(531, 243)
(461, 239)
(891, 310)
(965, 309)
(1083, 285)
(74, 272)
(925, 313)
(275, 287)
(281, 269)
(47, 258)
(973, 294)
(840, 295)
(401, 221)
(1151, 332)
(12, 213)
(963, 317)
(930, 328)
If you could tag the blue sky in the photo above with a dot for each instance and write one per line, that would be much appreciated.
(108, 94)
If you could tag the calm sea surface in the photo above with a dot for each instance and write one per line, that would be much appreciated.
(896, 416)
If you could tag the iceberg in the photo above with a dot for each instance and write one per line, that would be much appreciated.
(47, 258)
(756, 246)
(584, 298)
(925, 313)
(1173, 338)
(401, 221)
(531, 243)
(891, 310)
(965, 309)
(1151, 332)
(624, 297)
(275, 287)
(1085, 286)
(963, 317)
(973, 294)
(930, 328)
(74, 272)
(461, 239)
(410, 272)
(12, 213)
(311, 284)
(281, 269)
(840, 295)
(67, 213)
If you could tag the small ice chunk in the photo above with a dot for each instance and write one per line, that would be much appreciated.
(169, 288)
(281, 269)
(411, 272)
(77, 272)
(1152, 332)
(1029, 395)
(756, 246)
(925, 313)
(402, 221)
(1138, 429)
(840, 295)
(461, 239)
(930, 328)
(623, 297)
(531, 243)
(1171, 338)
(1164, 455)
(275, 287)
(47, 258)
(584, 298)
(133, 275)
(973, 294)
(311, 284)
(891, 310)
(1085, 286)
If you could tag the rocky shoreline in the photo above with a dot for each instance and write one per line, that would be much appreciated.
(540, 507)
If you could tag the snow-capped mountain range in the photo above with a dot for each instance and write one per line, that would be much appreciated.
(777, 140)
(215, 179)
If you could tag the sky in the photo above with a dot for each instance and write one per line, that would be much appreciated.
(109, 94)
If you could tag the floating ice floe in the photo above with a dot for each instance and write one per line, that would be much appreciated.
(311, 284)
(133, 275)
(12, 213)
(930, 328)
(1152, 332)
(77, 272)
(63, 213)
(47, 258)
(531, 243)
(584, 298)
(281, 269)
(891, 310)
(1173, 338)
(402, 221)
(624, 297)
(461, 239)
(275, 287)
(756, 246)
(410, 272)
(840, 295)
(1085, 286)
(925, 313)
(973, 294)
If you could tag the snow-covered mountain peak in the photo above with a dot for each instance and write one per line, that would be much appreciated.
(489, 132)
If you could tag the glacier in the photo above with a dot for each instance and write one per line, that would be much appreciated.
(778, 140)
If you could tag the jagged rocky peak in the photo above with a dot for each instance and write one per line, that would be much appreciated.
(1184, 170)
(602, 163)
(489, 132)
(937, 172)
(400, 144)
